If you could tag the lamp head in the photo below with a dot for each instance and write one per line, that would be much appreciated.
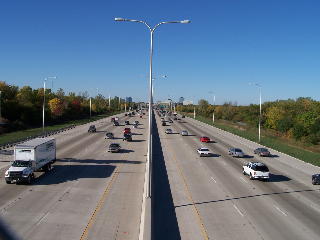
(119, 19)
(185, 21)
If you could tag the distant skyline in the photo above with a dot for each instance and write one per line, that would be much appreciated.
(227, 45)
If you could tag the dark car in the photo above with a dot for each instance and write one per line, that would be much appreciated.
(92, 128)
(170, 121)
(164, 124)
(116, 123)
(316, 179)
(136, 122)
(109, 135)
(127, 122)
(114, 147)
(262, 152)
(183, 116)
(127, 137)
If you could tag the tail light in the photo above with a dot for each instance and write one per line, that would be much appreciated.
(254, 173)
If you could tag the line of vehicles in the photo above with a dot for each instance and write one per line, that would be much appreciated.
(253, 169)
(40, 153)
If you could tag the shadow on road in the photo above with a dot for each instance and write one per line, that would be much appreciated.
(250, 196)
(278, 178)
(164, 220)
(66, 173)
(6, 152)
(96, 161)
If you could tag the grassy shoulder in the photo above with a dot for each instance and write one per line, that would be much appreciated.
(18, 135)
(267, 140)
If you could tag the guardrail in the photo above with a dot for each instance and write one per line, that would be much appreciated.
(42, 135)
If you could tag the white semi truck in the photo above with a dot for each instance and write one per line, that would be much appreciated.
(29, 157)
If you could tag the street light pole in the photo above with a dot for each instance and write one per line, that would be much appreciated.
(149, 159)
(0, 107)
(260, 107)
(44, 100)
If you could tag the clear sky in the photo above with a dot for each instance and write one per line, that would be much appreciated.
(228, 44)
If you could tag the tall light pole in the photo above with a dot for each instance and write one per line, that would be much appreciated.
(44, 99)
(259, 86)
(214, 103)
(150, 88)
(0, 107)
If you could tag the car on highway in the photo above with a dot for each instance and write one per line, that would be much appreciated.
(109, 135)
(256, 170)
(315, 179)
(127, 137)
(127, 130)
(116, 123)
(92, 128)
(136, 122)
(204, 152)
(262, 152)
(175, 118)
(236, 152)
(204, 139)
(163, 124)
(168, 131)
(184, 133)
(127, 122)
(135, 126)
(183, 116)
(170, 121)
(114, 147)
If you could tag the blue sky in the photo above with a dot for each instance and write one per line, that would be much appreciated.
(228, 44)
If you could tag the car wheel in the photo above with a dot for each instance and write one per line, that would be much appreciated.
(251, 177)
(244, 173)
(313, 182)
(8, 182)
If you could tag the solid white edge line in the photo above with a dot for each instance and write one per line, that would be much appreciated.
(280, 210)
(238, 210)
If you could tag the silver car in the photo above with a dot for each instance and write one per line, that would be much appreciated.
(184, 133)
(236, 152)
(169, 131)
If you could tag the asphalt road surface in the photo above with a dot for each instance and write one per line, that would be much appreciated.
(212, 199)
(89, 194)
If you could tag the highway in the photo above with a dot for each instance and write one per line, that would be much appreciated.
(93, 194)
(214, 200)
(89, 194)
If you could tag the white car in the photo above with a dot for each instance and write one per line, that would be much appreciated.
(256, 170)
(204, 152)
(184, 133)
(168, 131)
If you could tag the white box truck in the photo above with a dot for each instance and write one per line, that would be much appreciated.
(29, 157)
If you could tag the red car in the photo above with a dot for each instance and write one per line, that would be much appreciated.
(127, 130)
(205, 139)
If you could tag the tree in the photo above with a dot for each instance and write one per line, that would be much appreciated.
(56, 106)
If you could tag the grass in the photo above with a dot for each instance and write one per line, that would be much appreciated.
(19, 135)
(267, 140)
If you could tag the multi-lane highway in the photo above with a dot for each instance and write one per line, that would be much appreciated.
(214, 200)
(89, 194)
(94, 194)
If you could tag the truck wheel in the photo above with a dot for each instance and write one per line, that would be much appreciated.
(8, 182)
(251, 177)
(244, 173)
(29, 179)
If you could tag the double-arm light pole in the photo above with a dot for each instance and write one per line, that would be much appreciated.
(150, 88)
(44, 99)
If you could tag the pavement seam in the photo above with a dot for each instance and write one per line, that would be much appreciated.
(84, 234)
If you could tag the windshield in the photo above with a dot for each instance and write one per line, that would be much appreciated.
(205, 149)
(238, 150)
(18, 163)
